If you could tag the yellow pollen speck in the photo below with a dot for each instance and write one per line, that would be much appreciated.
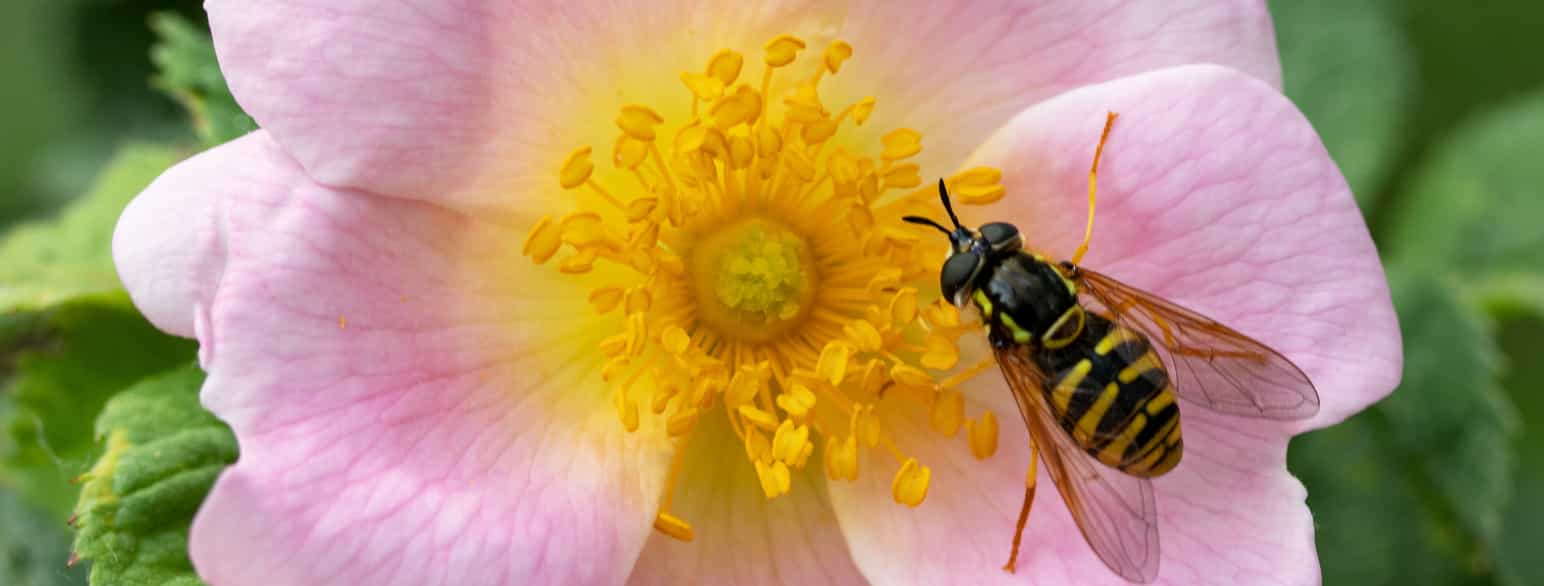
(750, 263)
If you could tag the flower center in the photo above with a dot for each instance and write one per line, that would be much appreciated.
(766, 275)
(753, 279)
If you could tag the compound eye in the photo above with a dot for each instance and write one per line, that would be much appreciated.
(957, 273)
(1001, 235)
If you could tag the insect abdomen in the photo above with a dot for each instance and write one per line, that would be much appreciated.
(1120, 409)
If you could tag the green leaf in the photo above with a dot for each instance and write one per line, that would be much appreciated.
(1475, 208)
(190, 73)
(1413, 490)
(1347, 66)
(1522, 343)
(34, 547)
(45, 262)
(162, 454)
(64, 363)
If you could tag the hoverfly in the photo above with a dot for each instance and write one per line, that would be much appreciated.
(1096, 366)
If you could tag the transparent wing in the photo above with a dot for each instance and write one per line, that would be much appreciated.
(1116, 512)
(1209, 363)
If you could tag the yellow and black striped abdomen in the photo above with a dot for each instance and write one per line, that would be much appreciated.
(1110, 391)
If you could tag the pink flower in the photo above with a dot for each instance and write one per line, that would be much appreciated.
(418, 403)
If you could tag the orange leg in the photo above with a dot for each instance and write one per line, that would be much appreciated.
(1029, 499)
(1093, 174)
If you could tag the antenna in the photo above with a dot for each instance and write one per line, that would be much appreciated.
(927, 222)
(943, 194)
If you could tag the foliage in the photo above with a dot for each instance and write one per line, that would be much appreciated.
(162, 453)
(1413, 490)
(48, 261)
(189, 72)
(1435, 114)
(34, 547)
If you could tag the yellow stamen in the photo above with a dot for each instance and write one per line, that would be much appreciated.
(983, 436)
(948, 413)
(750, 263)
(911, 481)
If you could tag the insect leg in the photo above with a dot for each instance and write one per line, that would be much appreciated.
(1093, 174)
(1029, 499)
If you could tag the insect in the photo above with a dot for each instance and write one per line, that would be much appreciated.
(1096, 367)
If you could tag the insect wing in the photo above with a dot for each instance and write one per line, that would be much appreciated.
(1116, 512)
(1208, 363)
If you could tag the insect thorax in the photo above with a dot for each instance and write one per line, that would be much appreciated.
(1020, 296)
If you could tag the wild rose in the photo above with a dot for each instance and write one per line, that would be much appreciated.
(716, 303)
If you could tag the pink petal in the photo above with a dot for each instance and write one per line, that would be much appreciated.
(957, 70)
(476, 103)
(171, 274)
(1216, 193)
(1230, 514)
(407, 410)
(741, 537)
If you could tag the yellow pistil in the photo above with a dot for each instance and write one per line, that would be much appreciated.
(759, 271)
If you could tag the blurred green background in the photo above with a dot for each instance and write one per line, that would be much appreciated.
(1434, 110)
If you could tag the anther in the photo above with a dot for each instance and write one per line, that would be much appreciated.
(832, 364)
(837, 53)
(948, 413)
(941, 353)
(725, 66)
(983, 436)
(639, 122)
(911, 482)
(782, 50)
(576, 168)
(674, 527)
(901, 143)
(543, 241)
